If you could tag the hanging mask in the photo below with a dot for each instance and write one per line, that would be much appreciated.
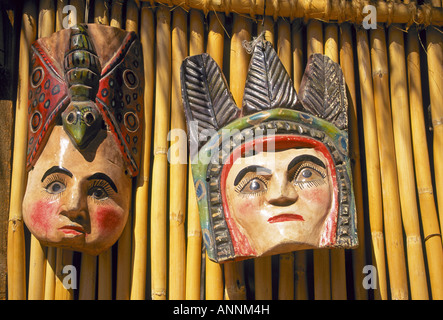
(273, 176)
(84, 136)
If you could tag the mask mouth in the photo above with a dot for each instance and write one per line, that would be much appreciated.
(285, 217)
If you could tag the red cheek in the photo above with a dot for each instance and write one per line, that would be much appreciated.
(41, 214)
(316, 195)
(109, 218)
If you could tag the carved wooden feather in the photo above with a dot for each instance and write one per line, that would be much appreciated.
(206, 96)
(268, 84)
(323, 91)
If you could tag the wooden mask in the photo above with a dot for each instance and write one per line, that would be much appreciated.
(84, 136)
(273, 176)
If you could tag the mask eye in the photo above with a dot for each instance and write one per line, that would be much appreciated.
(98, 193)
(253, 186)
(55, 187)
(70, 119)
(308, 174)
(89, 118)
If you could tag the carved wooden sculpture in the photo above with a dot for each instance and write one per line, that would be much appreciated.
(84, 137)
(275, 176)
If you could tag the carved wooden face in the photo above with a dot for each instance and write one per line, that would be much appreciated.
(279, 200)
(84, 136)
(78, 200)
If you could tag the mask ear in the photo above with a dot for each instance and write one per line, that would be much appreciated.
(207, 101)
(323, 91)
(268, 84)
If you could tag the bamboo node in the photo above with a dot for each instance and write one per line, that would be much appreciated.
(432, 235)
(437, 122)
(425, 190)
(177, 216)
(413, 240)
(194, 233)
(160, 150)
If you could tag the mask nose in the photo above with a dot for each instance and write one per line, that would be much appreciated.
(281, 192)
(76, 208)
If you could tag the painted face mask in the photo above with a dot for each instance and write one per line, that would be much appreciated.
(275, 176)
(84, 136)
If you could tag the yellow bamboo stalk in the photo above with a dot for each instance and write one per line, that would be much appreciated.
(88, 277)
(428, 210)
(80, 5)
(46, 18)
(132, 14)
(160, 166)
(50, 274)
(140, 238)
(59, 15)
(286, 265)
(388, 168)
(266, 26)
(124, 243)
(263, 278)
(239, 61)
(405, 165)
(214, 271)
(397, 12)
(337, 256)
(105, 275)
(101, 12)
(216, 37)
(177, 159)
(16, 240)
(300, 257)
(117, 13)
(434, 39)
(322, 285)
(36, 287)
(194, 236)
(372, 159)
(64, 258)
(46, 24)
(347, 64)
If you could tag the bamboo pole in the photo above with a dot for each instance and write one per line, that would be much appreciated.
(372, 159)
(388, 168)
(160, 165)
(124, 243)
(140, 240)
(16, 240)
(214, 271)
(300, 257)
(434, 39)
(322, 290)
(59, 15)
(347, 64)
(405, 165)
(117, 14)
(101, 12)
(177, 160)
(64, 258)
(46, 24)
(263, 278)
(105, 275)
(337, 256)
(80, 6)
(239, 61)
(267, 27)
(340, 11)
(286, 261)
(50, 274)
(36, 287)
(428, 210)
(194, 236)
(88, 277)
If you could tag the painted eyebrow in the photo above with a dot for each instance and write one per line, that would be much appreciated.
(244, 171)
(306, 157)
(56, 169)
(102, 176)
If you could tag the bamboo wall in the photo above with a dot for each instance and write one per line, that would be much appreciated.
(393, 73)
